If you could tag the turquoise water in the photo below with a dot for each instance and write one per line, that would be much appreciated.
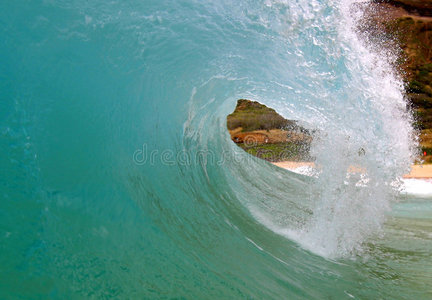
(119, 179)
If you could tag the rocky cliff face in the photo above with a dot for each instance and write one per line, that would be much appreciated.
(415, 7)
(406, 25)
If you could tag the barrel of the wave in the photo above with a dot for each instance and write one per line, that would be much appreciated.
(88, 217)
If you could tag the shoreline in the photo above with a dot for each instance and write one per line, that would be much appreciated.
(417, 171)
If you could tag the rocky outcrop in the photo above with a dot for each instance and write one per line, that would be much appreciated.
(262, 132)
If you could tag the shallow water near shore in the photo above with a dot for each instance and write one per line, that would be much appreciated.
(119, 178)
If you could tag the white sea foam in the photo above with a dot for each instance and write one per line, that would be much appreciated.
(417, 187)
(409, 186)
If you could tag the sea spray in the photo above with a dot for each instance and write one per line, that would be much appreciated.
(357, 143)
(364, 138)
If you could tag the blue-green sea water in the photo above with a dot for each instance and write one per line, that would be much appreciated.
(118, 178)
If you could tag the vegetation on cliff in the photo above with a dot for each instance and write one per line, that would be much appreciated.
(252, 115)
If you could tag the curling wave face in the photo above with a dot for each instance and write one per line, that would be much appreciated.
(119, 178)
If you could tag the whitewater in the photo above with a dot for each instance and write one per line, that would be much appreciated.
(119, 178)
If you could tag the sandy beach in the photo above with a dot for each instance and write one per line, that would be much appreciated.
(420, 172)
(417, 171)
